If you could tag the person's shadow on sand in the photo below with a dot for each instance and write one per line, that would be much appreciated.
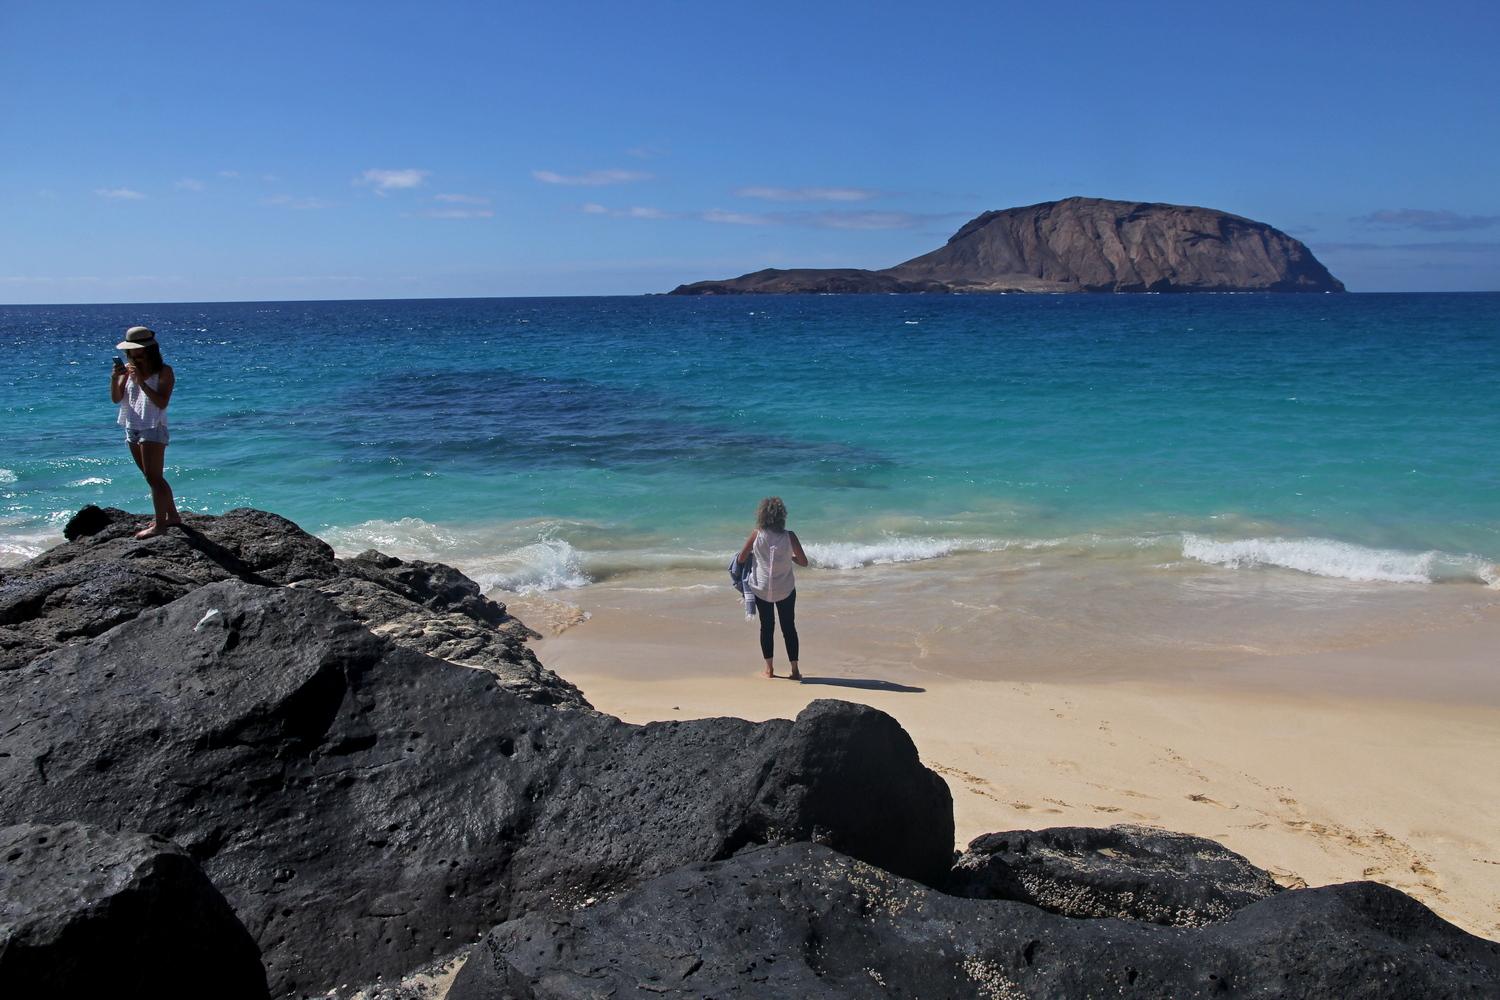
(864, 684)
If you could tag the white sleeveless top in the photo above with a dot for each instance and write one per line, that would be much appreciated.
(137, 412)
(771, 577)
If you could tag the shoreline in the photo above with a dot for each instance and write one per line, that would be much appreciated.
(1322, 766)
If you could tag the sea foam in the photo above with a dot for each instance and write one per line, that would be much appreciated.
(490, 556)
(547, 564)
(893, 549)
(1340, 560)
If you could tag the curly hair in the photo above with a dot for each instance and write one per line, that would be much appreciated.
(771, 514)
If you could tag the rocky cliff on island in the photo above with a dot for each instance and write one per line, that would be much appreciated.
(235, 765)
(1076, 245)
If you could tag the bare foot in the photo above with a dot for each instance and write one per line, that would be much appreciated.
(173, 522)
(770, 672)
(794, 676)
(150, 531)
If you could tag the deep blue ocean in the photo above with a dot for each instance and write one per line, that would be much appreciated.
(558, 441)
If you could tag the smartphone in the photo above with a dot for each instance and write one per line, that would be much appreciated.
(118, 363)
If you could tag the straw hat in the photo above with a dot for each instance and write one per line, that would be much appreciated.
(136, 338)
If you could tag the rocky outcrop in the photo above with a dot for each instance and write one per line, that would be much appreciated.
(1129, 872)
(88, 913)
(105, 576)
(366, 808)
(809, 280)
(1077, 245)
(803, 921)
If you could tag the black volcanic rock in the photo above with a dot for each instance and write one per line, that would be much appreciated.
(434, 609)
(88, 913)
(105, 576)
(805, 922)
(365, 808)
(1078, 245)
(1130, 872)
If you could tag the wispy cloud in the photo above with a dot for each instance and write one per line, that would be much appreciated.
(646, 152)
(872, 220)
(592, 178)
(386, 181)
(289, 201)
(831, 219)
(1431, 220)
(190, 184)
(120, 194)
(461, 199)
(229, 175)
(810, 220)
(736, 218)
(807, 193)
(457, 213)
(633, 212)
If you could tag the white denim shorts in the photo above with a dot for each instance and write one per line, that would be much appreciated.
(156, 435)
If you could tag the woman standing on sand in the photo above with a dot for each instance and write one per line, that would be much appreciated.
(143, 388)
(771, 580)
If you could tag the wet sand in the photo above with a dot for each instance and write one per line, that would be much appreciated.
(1350, 743)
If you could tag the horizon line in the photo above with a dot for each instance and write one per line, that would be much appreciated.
(749, 296)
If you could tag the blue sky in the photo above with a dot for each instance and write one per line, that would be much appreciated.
(215, 151)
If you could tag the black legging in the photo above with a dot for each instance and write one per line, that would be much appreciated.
(767, 611)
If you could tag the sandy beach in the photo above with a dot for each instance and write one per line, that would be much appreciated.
(1335, 750)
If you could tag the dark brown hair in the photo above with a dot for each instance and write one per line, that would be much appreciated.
(153, 357)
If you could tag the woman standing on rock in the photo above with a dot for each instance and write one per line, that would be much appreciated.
(771, 579)
(143, 388)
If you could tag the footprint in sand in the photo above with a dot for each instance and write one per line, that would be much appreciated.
(974, 783)
(1195, 797)
(1392, 858)
(1176, 758)
(1287, 879)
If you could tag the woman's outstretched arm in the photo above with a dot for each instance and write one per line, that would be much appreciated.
(745, 552)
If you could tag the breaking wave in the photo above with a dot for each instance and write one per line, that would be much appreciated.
(548, 564)
(1341, 560)
(535, 557)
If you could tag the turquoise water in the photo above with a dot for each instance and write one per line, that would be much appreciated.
(559, 441)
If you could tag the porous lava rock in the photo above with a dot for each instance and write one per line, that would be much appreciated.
(104, 575)
(803, 921)
(366, 808)
(1130, 872)
(435, 609)
(1076, 245)
(89, 913)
